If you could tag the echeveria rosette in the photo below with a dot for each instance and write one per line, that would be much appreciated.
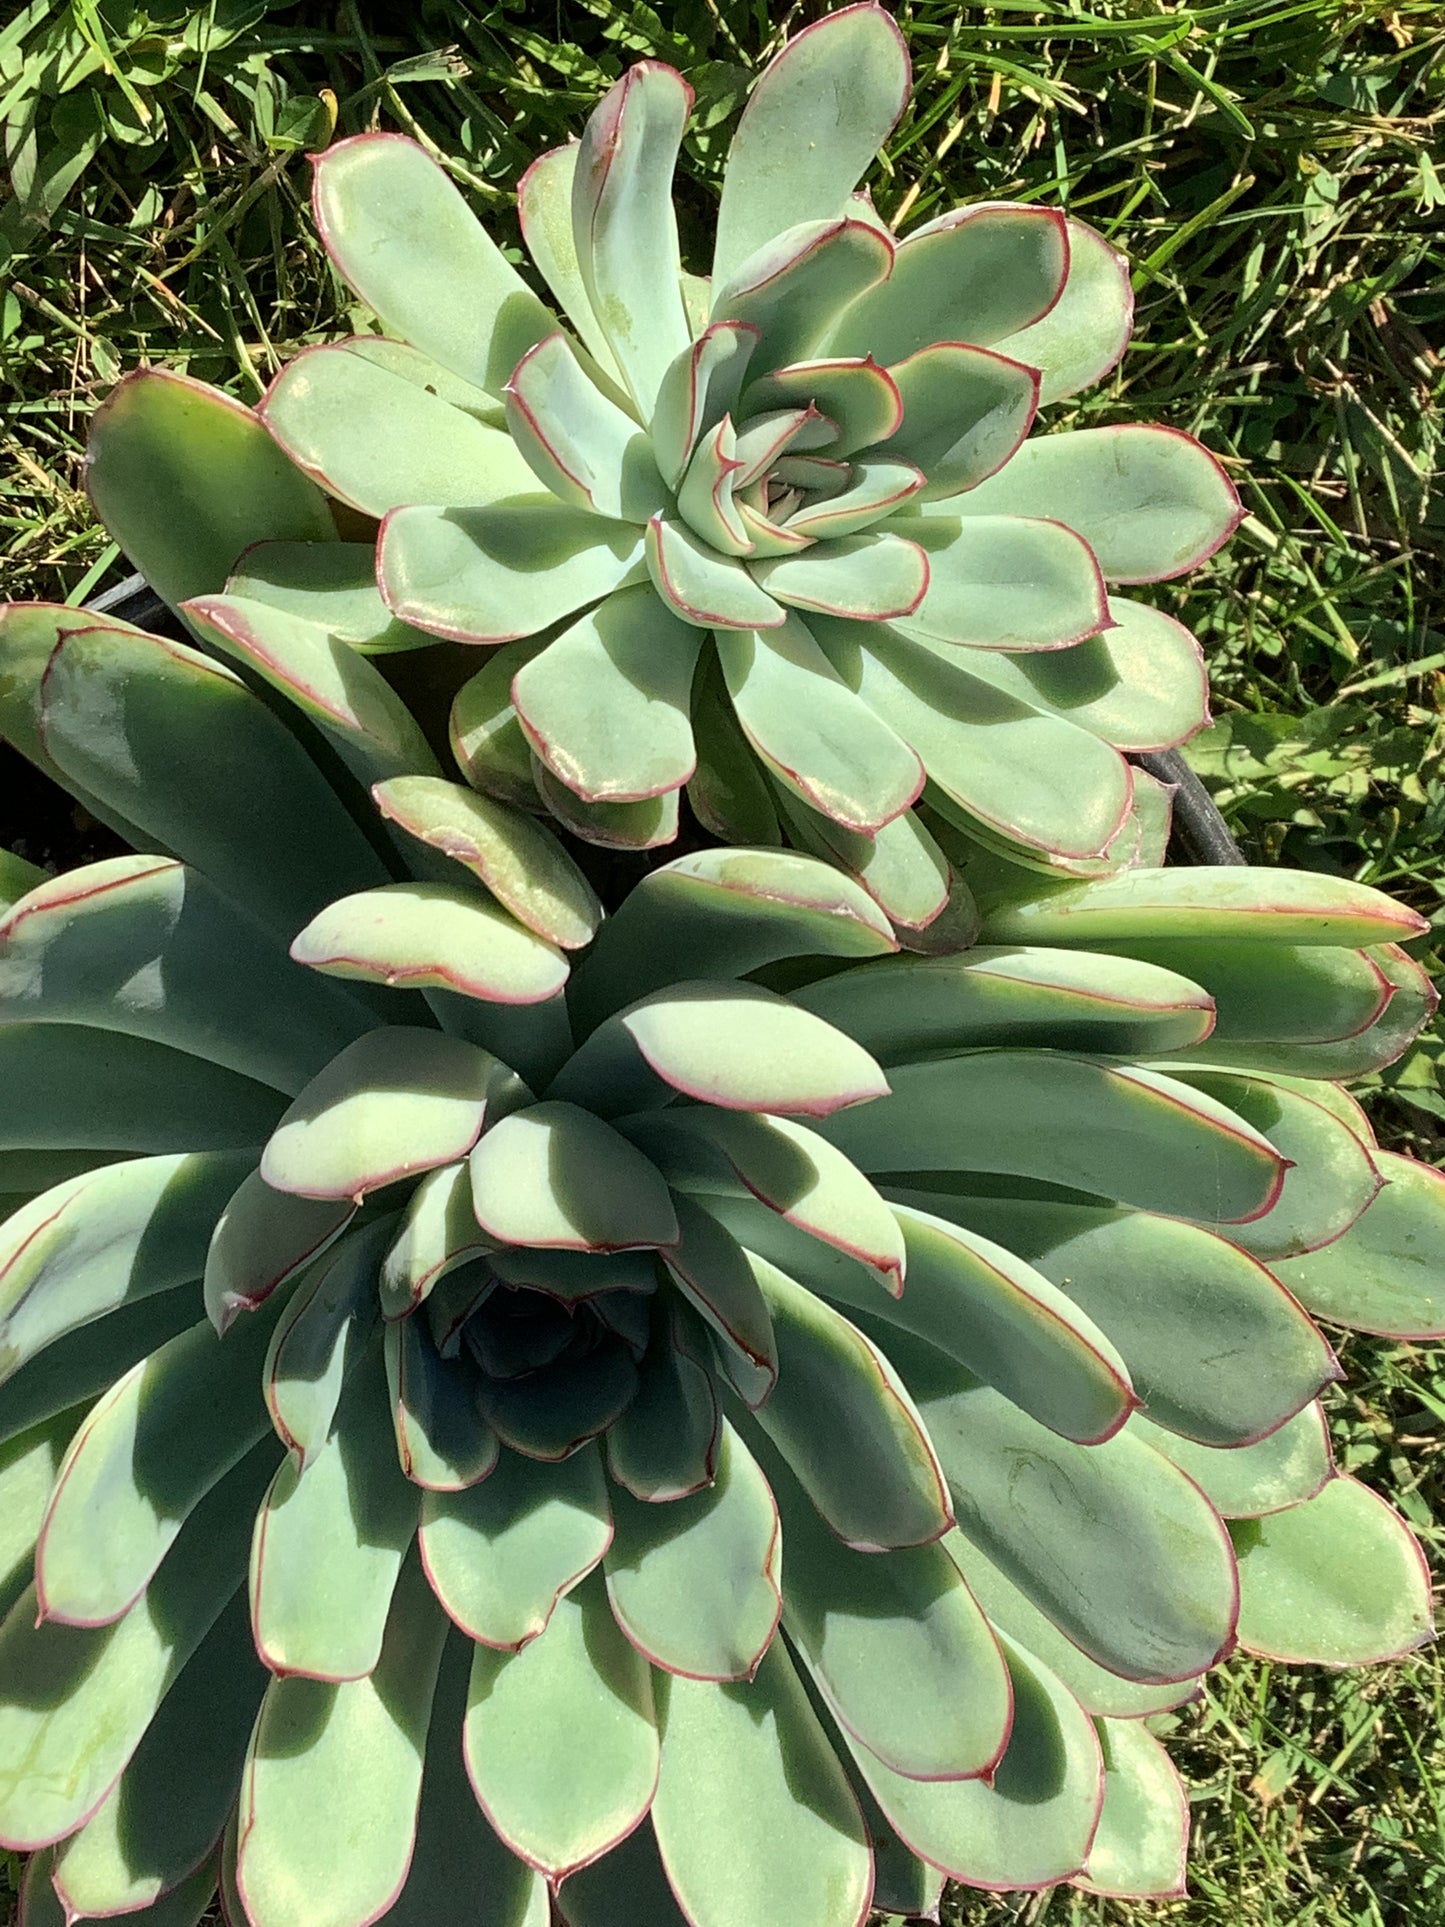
(779, 538)
(773, 1419)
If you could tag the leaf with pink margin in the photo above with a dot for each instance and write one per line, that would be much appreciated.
(575, 441)
(1387, 1273)
(702, 587)
(1284, 1468)
(878, 487)
(869, 577)
(646, 824)
(1339, 1580)
(858, 396)
(813, 732)
(794, 287)
(1151, 502)
(544, 207)
(817, 115)
(900, 866)
(559, 1177)
(399, 232)
(1085, 333)
(1142, 1843)
(623, 226)
(699, 388)
(261, 1238)
(705, 497)
(332, 584)
(443, 1442)
(1002, 581)
(966, 412)
(976, 275)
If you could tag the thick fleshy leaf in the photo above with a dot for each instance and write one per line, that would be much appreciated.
(144, 1457)
(422, 371)
(860, 400)
(330, 1542)
(352, 704)
(721, 1281)
(1086, 331)
(1216, 1350)
(28, 1465)
(65, 1087)
(1265, 905)
(793, 287)
(878, 487)
(775, 1057)
(320, 1337)
(900, 866)
(185, 478)
(521, 863)
(486, 738)
(442, 1440)
(75, 1702)
(440, 1231)
(644, 825)
(78, 1367)
(1031, 1822)
(897, 1648)
(865, 578)
(749, 1761)
(703, 587)
(975, 275)
(1013, 1613)
(694, 1583)
(17, 878)
(698, 389)
(843, 1419)
(180, 746)
(1332, 1175)
(605, 705)
(548, 1415)
(1120, 1550)
(965, 412)
(328, 1806)
(574, 440)
(1140, 1848)
(183, 1906)
(163, 1818)
(377, 441)
(459, 1869)
(1339, 1581)
(501, 1554)
(1151, 502)
(432, 937)
(556, 1176)
(664, 1447)
(260, 1239)
(494, 574)
(1006, 581)
(1274, 993)
(104, 1240)
(1141, 684)
(816, 117)
(143, 946)
(723, 913)
(561, 1737)
(992, 995)
(1387, 1273)
(1111, 1130)
(705, 498)
(626, 1888)
(544, 207)
(332, 584)
(401, 235)
(623, 225)
(1287, 1466)
(398, 1101)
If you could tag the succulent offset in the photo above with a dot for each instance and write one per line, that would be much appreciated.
(522, 1400)
(749, 1426)
(778, 536)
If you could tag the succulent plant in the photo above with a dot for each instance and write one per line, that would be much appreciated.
(750, 1426)
(779, 538)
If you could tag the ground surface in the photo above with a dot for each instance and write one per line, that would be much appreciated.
(1268, 168)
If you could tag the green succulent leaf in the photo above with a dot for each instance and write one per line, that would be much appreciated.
(605, 705)
(976, 275)
(556, 1176)
(703, 587)
(866, 578)
(1086, 331)
(575, 440)
(331, 584)
(695, 1582)
(186, 478)
(966, 412)
(626, 1888)
(495, 574)
(544, 207)
(664, 1447)
(561, 1737)
(623, 226)
(401, 235)
(330, 1542)
(17, 878)
(644, 825)
(500, 1555)
(1384, 1274)
(376, 441)
(794, 286)
(28, 1465)
(721, 1282)
(860, 400)
(77, 1368)
(1338, 1580)
(442, 1441)
(750, 1762)
(816, 117)
(1151, 502)
(1284, 1468)
(900, 866)
(324, 1330)
(1010, 582)
(260, 1239)
(699, 388)
(340, 1765)
(1139, 1850)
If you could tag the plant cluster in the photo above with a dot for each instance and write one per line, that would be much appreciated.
(729, 1400)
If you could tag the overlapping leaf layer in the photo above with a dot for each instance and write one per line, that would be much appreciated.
(694, 1416)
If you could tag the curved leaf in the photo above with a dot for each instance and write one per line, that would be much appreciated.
(1385, 1273)
(557, 1176)
(1140, 1849)
(1086, 331)
(575, 440)
(1287, 1466)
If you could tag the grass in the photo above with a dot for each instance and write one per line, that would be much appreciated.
(1268, 165)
